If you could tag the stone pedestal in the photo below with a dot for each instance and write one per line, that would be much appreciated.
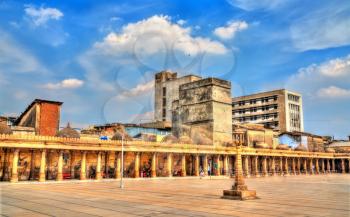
(239, 190)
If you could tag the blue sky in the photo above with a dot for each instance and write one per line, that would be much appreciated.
(99, 57)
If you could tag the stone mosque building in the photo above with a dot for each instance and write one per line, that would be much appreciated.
(194, 130)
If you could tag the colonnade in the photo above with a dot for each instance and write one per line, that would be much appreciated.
(201, 164)
(279, 165)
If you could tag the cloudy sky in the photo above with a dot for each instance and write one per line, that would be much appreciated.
(99, 57)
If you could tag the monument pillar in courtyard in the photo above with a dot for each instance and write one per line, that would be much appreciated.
(14, 176)
(98, 167)
(226, 170)
(329, 165)
(264, 164)
(293, 166)
(312, 172)
(71, 162)
(322, 166)
(298, 165)
(256, 166)
(118, 165)
(333, 165)
(286, 168)
(281, 165)
(239, 190)
(317, 166)
(246, 166)
(305, 166)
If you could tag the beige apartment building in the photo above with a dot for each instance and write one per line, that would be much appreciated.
(278, 109)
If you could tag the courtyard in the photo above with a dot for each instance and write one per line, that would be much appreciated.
(318, 195)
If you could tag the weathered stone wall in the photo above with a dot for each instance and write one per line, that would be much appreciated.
(205, 106)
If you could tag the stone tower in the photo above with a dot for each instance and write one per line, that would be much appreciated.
(204, 112)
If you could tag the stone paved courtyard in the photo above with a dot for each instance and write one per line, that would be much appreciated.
(324, 195)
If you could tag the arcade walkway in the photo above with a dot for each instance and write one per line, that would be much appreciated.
(319, 195)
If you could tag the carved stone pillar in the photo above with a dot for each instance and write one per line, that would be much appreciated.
(305, 166)
(42, 166)
(205, 164)
(329, 165)
(273, 166)
(118, 165)
(281, 166)
(154, 165)
(256, 166)
(342, 165)
(226, 170)
(170, 164)
(317, 166)
(286, 167)
(312, 172)
(72, 174)
(264, 165)
(83, 166)
(293, 166)
(246, 166)
(298, 166)
(322, 166)
(333, 165)
(98, 166)
(14, 176)
(196, 165)
(218, 166)
(183, 165)
(137, 165)
(60, 166)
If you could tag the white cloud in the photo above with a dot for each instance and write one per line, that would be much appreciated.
(229, 31)
(321, 28)
(333, 92)
(139, 90)
(249, 5)
(157, 34)
(71, 83)
(40, 16)
(322, 78)
(181, 22)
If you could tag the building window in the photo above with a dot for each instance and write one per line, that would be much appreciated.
(164, 113)
(164, 91)
(164, 102)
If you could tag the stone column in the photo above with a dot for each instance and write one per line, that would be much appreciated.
(205, 164)
(183, 165)
(118, 165)
(322, 166)
(256, 166)
(342, 166)
(264, 164)
(286, 167)
(328, 165)
(60, 166)
(298, 166)
(273, 166)
(239, 190)
(293, 166)
(312, 172)
(98, 166)
(246, 166)
(196, 165)
(217, 169)
(317, 166)
(72, 175)
(281, 165)
(333, 165)
(83, 166)
(14, 176)
(137, 165)
(226, 170)
(42, 166)
(170, 164)
(305, 166)
(154, 165)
